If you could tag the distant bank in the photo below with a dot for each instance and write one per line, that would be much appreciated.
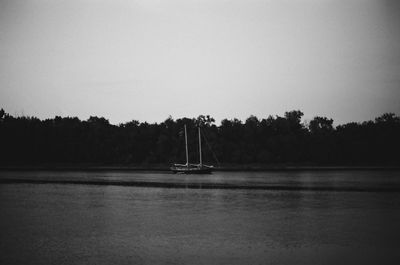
(163, 168)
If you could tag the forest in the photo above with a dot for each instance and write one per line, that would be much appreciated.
(275, 140)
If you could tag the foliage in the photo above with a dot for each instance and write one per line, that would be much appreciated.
(271, 140)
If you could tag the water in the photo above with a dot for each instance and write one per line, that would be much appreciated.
(99, 224)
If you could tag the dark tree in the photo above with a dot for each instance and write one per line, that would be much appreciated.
(271, 140)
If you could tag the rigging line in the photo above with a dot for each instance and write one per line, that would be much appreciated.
(209, 147)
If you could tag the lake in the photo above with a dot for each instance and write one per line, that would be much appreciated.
(293, 223)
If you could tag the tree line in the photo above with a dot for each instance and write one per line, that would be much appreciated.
(267, 141)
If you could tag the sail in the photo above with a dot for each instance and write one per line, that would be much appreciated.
(192, 168)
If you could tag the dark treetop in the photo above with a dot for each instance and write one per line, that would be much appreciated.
(30, 141)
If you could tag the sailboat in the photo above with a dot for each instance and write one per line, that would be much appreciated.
(192, 168)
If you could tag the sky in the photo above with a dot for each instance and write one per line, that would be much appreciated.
(146, 59)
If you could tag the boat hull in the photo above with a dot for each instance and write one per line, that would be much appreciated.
(185, 170)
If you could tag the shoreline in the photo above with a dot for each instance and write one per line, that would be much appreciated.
(165, 168)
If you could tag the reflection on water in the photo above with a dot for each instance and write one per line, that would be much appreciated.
(78, 224)
(337, 180)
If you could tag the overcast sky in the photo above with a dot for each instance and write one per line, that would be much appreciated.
(148, 59)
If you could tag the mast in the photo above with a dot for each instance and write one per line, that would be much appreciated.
(201, 162)
(187, 153)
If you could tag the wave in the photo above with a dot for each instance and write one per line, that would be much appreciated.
(176, 185)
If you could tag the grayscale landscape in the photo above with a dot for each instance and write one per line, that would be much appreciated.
(199, 132)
